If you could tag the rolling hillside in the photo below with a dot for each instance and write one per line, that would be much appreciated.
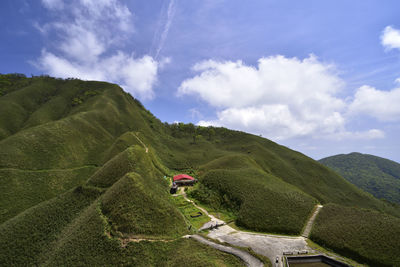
(378, 176)
(82, 168)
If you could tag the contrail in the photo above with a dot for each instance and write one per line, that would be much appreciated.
(170, 16)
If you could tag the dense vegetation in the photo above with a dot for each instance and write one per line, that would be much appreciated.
(24, 238)
(260, 195)
(82, 168)
(378, 176)
(364, 235)
(19, 188)
(48, 157)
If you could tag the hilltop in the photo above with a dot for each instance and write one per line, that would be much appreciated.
(82, 167)
(378, 176)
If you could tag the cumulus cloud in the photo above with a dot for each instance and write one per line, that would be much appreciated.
(138, 75)
(280, 98)
(390, 38)
(88, 34)
(276, 79)
(382, 105)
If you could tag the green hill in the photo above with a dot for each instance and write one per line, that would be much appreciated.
(82, 168)
(378, 176)
(365, 235)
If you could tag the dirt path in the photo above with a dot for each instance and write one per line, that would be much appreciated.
(126, 241)
(247, 258)
(145, 147)
(213, 221)
(49, 170)
(310, 222)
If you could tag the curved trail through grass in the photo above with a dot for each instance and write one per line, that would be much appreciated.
(49, 170)
(145, 147)
(310, 222)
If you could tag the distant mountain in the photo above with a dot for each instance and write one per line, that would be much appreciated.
(378, 176)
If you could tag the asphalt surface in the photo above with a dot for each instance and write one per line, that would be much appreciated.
(271, 246)
(247, 258)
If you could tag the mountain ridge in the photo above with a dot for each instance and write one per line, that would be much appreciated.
(49, 124)
(376, 175)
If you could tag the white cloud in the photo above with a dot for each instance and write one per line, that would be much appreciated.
(88, 36)
(81, 44)
(277, 79)
(53, 4)
(383, 105)
(194, 113)
(366, 135)
(374, 133)
(138, 75)
(276, 121)
(390, 38)
(280, 98)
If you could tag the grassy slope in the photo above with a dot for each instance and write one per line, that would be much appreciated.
(281, 206)
(378, 176)
(364, 235)
(87, 225)
(20, 188)
(290, 166)
(55, 124)
(30, 234)
(44, 129)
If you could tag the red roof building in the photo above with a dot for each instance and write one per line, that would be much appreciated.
(184, 179)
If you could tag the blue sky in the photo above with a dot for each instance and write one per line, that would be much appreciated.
(317, 76)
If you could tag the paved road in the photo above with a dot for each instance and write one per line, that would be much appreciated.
(270, 246)
(248, 259)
